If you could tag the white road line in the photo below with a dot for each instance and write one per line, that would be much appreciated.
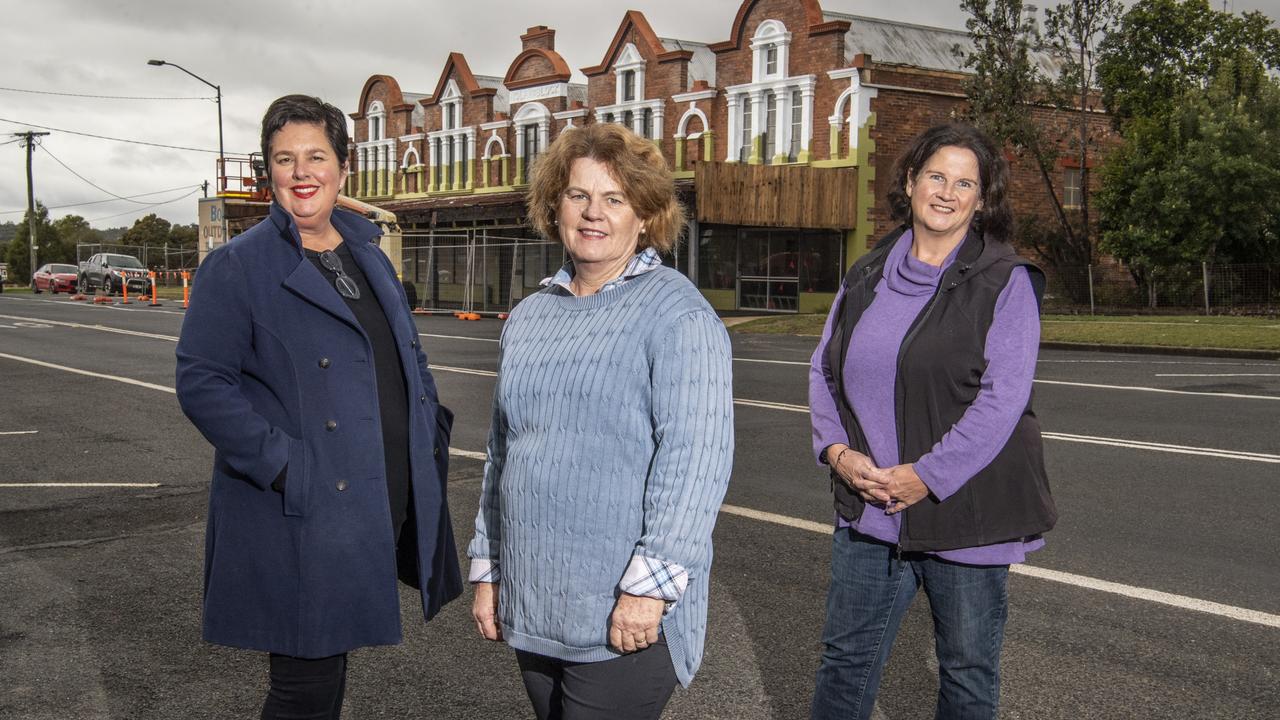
(464, 371)
(1081, 581)
(1164, 447)
(470, 455)
(1155, 362)
(458, 337)
(1217, 374)
(79, 485)
(773, 362)
(1114, 442)
(117, 378)
(772, 405)
(1090, 439)
(1157, 322)
(69, 303)
(1237, 396)
(776, 519)
(102, 328)
(19, 432)
(1156, 596)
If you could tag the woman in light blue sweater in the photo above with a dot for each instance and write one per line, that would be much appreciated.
(611, 445)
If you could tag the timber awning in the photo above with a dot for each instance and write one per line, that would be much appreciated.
(793, 196)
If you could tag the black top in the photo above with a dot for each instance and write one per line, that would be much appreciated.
(940, 366)
(393, 404)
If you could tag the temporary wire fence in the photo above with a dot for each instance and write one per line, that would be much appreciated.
(475, 270)
(168, 262)
(1206, 288)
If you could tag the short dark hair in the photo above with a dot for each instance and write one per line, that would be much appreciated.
(995, 219)
(635, 163)
(308, 110)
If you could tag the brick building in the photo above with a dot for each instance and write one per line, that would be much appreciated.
(781, 139)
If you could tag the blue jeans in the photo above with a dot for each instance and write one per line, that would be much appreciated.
(870, 593)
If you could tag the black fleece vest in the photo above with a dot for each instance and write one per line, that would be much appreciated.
(940, 367)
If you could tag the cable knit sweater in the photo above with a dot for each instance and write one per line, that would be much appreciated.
(612, 437)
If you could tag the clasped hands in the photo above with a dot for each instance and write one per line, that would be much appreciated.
(896, 488)
(633, 625)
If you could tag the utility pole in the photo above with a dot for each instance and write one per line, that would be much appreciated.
(29, 142)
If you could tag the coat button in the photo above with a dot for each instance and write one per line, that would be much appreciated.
(331, 425)
(422, 398)
(324, 363)
(341, 485)
(437, 452)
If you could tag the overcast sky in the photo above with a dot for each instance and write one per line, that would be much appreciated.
(260, 50)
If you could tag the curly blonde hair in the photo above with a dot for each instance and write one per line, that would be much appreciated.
(637, 165)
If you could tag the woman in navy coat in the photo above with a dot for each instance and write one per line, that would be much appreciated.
(300, 363)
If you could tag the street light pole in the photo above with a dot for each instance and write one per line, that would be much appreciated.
(218, 90)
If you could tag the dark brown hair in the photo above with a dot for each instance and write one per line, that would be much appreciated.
(638, 166)
(308, 110)
(995, 218)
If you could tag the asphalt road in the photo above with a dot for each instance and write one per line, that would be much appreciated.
(1157, 596)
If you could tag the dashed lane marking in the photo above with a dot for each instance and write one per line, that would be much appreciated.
(19, 432)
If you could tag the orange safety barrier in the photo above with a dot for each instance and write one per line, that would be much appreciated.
(124, 291)
(155, 301)
(186, 289)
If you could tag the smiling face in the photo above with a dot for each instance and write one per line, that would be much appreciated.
(598, 226)
(945, 194)
(306, 174)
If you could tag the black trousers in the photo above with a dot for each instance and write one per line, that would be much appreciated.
(630, 687)
(303, 689)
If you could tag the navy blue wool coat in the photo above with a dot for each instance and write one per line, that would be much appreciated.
(275, 371)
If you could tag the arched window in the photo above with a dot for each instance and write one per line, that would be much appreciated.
(771, 49)
(377, 121)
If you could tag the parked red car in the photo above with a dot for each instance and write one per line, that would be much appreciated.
(55, 278)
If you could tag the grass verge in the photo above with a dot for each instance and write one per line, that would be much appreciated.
(1237, 333)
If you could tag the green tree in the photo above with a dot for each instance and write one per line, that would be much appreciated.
(48, 246)
(185, 237)
(1005, 88)
(150, 231)
(1199, 180)
(1073, 32)
(1162, 48)
(73, 231)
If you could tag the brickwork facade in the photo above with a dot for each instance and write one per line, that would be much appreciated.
(792, 84)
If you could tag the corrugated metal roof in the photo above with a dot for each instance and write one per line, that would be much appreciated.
(920, 46)
(702, 66)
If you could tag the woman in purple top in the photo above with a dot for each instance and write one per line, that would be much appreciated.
(920, 394)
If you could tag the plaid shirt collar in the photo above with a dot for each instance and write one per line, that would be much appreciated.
(645, 261)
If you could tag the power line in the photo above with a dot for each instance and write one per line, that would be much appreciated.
(87, 180)
(104, 137)
(109, 200)
(99, 97)
(128, 212)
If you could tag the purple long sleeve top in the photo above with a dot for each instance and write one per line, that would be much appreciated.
(870, 375)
